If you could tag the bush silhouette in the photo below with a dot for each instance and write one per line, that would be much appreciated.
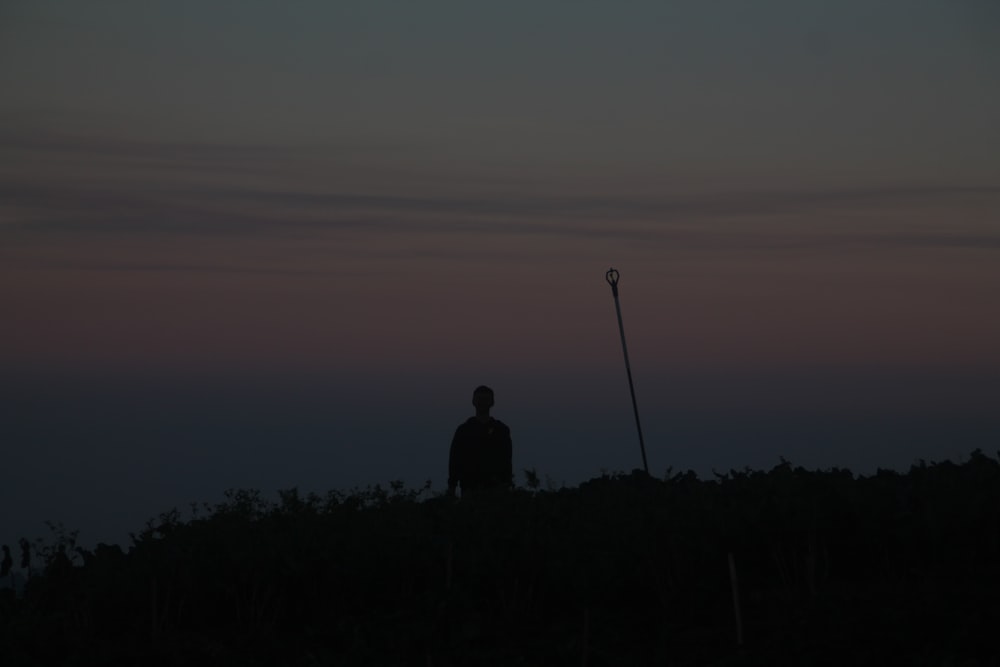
(623, 568)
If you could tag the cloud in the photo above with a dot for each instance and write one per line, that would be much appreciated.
(41, 132)
(111, 265)
(157, 190)
(207, 211)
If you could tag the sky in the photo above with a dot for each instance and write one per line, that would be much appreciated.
(271, 245)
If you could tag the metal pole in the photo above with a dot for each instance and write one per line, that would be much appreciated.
(612, 277)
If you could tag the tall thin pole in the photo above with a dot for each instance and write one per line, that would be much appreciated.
(612, 277)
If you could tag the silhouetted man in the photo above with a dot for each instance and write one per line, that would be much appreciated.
(481, 450)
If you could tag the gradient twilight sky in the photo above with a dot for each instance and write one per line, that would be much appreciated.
(263, 244)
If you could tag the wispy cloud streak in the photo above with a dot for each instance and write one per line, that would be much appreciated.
(134, 202)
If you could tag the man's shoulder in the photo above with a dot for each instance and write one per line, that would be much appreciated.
(474, 424)
(500, 426)
(499, 436)
(470, 424)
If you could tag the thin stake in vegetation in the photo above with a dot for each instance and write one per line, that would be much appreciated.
(734, 583)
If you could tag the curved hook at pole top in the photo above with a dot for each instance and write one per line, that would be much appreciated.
(612, 277)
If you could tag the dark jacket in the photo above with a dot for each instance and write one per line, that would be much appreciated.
(481, 456)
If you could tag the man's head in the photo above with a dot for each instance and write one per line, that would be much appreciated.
(482, 398)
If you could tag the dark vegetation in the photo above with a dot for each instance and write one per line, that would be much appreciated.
(831, 568)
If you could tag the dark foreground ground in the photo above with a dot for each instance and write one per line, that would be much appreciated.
(830, 569)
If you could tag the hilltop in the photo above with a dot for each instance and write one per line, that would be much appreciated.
(786, 566)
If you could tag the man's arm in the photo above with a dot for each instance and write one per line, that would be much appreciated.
(455, 462)
(510, 460)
